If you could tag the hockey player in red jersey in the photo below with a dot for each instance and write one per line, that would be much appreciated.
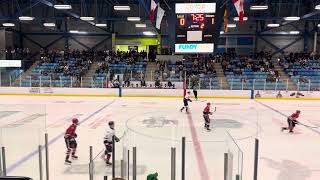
(292, 121)
(108, 138)
(70, 139)
(206, 113)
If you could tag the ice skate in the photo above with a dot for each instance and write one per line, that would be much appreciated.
(67, 162)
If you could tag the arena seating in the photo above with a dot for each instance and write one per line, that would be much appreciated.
(305, 73)
(256, 74)
(57, 73)
(197, 73)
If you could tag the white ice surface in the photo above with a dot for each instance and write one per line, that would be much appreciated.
(155, 126)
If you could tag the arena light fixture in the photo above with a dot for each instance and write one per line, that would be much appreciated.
(73, 31)
(121, 8)
(77, 32)
(62, 6)
(26, 18)
(8, 24)
(294, 32)
(49, 24)
(292, 18)
(87, 18)
(101, 25)
(317, 7)
(259, 7)
(273, 25)
(231, 25)
(148, 33)
(133, 18)
(141, 25)
(221, 32)
(237, 18)
(318, 25)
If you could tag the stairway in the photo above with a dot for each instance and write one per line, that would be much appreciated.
(150, 69)
(283, 76)
(25, 74)
(220, 76)
(87, 79)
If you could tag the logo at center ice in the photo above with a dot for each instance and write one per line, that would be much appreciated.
(158, 122)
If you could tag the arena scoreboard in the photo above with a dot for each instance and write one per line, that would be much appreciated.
(195, 25)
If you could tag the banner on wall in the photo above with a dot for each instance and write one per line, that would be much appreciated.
(286, 94)
(38, 90)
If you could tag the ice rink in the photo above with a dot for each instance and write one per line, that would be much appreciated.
(154, 125)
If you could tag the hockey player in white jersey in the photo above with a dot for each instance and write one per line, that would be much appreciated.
(108, 142)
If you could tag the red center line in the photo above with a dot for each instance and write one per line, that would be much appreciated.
(197, 147)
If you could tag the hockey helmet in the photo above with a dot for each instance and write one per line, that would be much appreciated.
(298, 111)
(111, 123)
(208, 103)
(75, 121)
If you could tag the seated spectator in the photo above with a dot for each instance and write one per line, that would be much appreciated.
(157, 83)
(116, 83)
(170, 84)
(143, 83)
(303, 79)
(127, 82)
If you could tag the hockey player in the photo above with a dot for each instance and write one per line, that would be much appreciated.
(292, 121)
(108, 142)
(186, 100)
(70, 140)
(206, 113)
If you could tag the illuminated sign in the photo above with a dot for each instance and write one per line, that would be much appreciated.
(194, 48)
(185, 8)
(10, 63)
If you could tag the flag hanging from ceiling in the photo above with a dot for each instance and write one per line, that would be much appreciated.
(152, 10)
(240, 9)
(226, 20)
(160, 14)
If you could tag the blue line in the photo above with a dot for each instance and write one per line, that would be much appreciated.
(281, 113)
(35, 152)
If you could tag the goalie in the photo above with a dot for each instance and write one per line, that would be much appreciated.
(108, 142)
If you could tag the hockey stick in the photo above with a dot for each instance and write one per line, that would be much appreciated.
(125, 132)
(314, 127)
(202, 100)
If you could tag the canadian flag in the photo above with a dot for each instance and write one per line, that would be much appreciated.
(152, 10)
(239, 7)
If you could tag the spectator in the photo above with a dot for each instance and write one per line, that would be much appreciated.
(116, 83)
(127, 82)
(157, 83)
(143, 83)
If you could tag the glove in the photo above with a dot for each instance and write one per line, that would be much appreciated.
(210, 113)
(75, 135)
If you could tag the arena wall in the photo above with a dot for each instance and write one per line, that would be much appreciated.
(114, 92)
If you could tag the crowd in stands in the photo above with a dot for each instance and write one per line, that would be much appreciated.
(299, 59)
(15, 53)
(115, 57)
(261, 62)
(200, 66)
(132, 64)
(302, 68)
(72, 63)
